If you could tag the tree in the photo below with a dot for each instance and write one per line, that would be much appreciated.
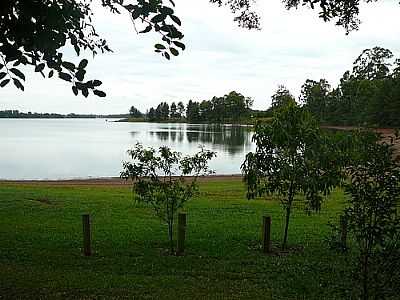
(396, 70)
(36, 33)
(344, 12)
(219, 112)
(315, 96)
(193, 111)
(236, 105)
(232, 107)
(164, 111)
(135, 113)
(372, 217)
(292, 156)
(281, 97)
(372, 64)
(158, 179)
(151, 115)
(205, 110)
(181, 109)
(369, 95)
(174, 113)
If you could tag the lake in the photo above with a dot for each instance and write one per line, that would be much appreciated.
(90, 148)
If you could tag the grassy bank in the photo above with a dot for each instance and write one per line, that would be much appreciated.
(40, 247)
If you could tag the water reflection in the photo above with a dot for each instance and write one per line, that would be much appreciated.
(82, 148)
(134, 133)
(229, 138)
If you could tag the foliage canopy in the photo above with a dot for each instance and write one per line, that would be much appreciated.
(367, 95)
(35, 32)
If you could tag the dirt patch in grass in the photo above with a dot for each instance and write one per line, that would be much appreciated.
(109, 182)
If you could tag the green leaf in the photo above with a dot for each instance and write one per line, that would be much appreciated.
(97, 82)
(39, 67)
(83, 63)
(65, 76)
(75, 90)
(4, 82)
(176, 19)
(147, 29)
(159, 46)
(99, 93)
(18, 84)
(18, 73)
(68, 65)
(167, 10)
(51, 73)
(130, 7)
(165, 39)
(136, 13)
(167, 56)
(174, 51)
(158, 18)
(2, 75)
(85, 92)
(180, 45)
(80, 75)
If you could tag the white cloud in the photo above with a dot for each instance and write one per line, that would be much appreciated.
(220, 57)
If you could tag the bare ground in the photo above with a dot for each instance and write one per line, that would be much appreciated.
(109, 182)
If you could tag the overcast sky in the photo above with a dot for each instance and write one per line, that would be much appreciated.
(291, 47)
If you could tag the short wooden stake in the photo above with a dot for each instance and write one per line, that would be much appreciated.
(266, 234)
(343, 232)
(87, 251)
(181, 234)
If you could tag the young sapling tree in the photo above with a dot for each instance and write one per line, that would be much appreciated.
(293, 156)
(160, 179)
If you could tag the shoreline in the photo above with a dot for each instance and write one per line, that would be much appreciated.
(107, 181)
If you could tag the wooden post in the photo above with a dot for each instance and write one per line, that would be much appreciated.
(180, 249)
(266, 234)
(343, 232)
(87, 251)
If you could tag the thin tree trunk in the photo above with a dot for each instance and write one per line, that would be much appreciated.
(365, 278)
(285, 236)
(171, 236)
(288, 210)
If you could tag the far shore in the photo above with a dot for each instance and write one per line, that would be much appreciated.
(107, 181)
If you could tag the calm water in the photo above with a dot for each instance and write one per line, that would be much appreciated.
(82, 148)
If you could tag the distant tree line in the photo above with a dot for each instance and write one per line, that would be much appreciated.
(135, 113)
(233, 107)
(367, 95)
(16, 114)
(164, 112)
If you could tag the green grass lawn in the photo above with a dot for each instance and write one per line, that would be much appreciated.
(41, 244)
